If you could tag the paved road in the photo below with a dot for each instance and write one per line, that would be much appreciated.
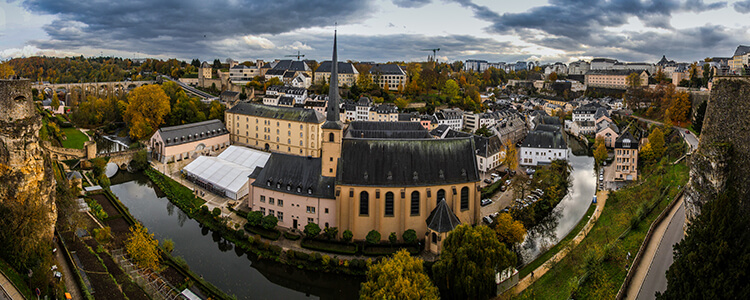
(7, 290)
(689, 137)
(656, 279)
(68, 275)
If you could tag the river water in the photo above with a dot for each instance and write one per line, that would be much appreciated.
(214, 258)
(566, 214)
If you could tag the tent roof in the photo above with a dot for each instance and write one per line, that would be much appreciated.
(230, 170)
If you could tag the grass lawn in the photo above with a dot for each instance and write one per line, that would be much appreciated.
(597, 267)
(75, 138)
(562, 244)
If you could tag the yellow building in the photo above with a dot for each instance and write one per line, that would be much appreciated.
(626, 157)
(347, 73)
(290, 130)
(617, 79)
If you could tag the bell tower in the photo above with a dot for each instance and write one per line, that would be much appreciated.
(332, 128)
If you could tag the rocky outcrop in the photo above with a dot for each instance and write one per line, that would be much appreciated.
(723, 154)
(26, 178)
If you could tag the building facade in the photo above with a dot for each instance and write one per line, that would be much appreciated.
(347, 73)
(626, 157)
(388, 76)
(291, 130)
(175, 143)
(616, 79)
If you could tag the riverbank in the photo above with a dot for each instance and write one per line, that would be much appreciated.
(598, 265)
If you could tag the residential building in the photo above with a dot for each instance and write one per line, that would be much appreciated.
(476, 65)
(609, 132)
(586, 112)
(626, 157)
(542, 146)
(363, 109)
(603, 64)
(616, 79)
(740, 59)
(510, 125)
(229, 96)
(242, 74)
(388, 76)
(581, 128)
(302, 80)
(384, 113)
(557, 68)
(520, 66)
(473, 121)
(175, 143)
(348, 74)
(490, 152)
(291, 130)
(578, 67)
(299, 94)
(350, 109)
(452, 117)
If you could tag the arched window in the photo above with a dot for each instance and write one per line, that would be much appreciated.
(465, 198)
(364, 203)
(330, 137)
(415, 203)
(440, 196)
(434, 238)
(389, 204)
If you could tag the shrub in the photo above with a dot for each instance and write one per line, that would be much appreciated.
(168, 245)
(204, 210)
(325, 260)
(269, 222)
(254, 218)
(251, 240)
(276, 250)
(140, 160)
(312, 230)
(393, 238)
(347, 236)
(373, 237)
(331, 232)
(216, 212)
(302, 255)
(332, 247)
(291, 236)
(103, 235)
(409, 236)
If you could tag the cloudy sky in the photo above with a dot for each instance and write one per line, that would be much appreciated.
(376, 30)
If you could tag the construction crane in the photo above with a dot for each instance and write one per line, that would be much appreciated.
(434, 54)
(298, 55)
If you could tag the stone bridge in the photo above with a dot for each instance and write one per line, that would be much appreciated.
(60, 153)
(95, 88)
(122, 158)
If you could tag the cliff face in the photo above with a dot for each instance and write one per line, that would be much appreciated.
(26, 178)
(723, 154)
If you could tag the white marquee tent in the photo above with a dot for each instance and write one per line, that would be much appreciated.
(227, 173)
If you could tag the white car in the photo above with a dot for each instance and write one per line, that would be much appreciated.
(601, 177)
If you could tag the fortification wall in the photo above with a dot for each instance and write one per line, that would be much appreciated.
(724, 150)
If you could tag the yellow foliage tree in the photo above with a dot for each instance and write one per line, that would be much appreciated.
(600, 150)
(401, 103)
(145, 111)
(633, 80)
(509, 231)
(6, 70)
(142, 247)
(511, 155)
(398, 277)
(656, 142)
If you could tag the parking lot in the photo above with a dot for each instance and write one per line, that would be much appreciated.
(499, 201)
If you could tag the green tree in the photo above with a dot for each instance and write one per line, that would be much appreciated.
(347, 236)
(700, 114)
(470, 260)
(451, 89)
(140, 160)
(633, 80)
(254, 218)
(656, 140)
(711, 262)
(331, 232)
(55, 101)
(269, 222)
(217, 64)
(6, 70)
(509, 231)
(484, 131)
(409, 236)
(216, 111)
(373, 237)
(168, 245)
(393, 238)
(142, 247)
(146, 108)
(312, 230)
(600, 150)
(399, 277)
(401, 103)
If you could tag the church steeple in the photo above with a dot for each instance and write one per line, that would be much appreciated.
(333, 121)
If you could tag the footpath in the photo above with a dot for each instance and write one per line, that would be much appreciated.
(8, 290)
(541, 270)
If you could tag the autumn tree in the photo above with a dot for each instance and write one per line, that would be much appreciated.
(145, 111)
(511, 155)
(600, 150)
(451, 89)
(509, 231)
(679, 107)
(552, 77)
(470, 260)
(401, 103)
(6, 70)
(55, 102)
(399, 277)
(656, 142)
(633, 80)
(216, 111)
(142, 247)
(660, 77)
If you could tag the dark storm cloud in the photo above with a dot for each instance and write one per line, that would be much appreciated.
(411, 3)
(580, 26)
(742, 6)
(180, 23)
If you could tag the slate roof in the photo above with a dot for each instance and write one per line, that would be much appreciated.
(545, 140)
(387, 69)
(603, 60)
(291, 65)
(741, 50)
(73, 175)
(386, 130)
(286, 100)
(386, 108)
(188, 133)
(278, 112)
(550, 120)
(442, 219)
(404, 117)
(277, 72)
(285, 173)
(344, 67)
(439, 130)
(487, 146)
(633, 142)
(547, 127)
(601, 111)
(364, 101)
(229, 94)
(423, 162)
(282, 89)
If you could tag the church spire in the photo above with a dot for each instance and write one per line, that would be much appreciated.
(332, 113)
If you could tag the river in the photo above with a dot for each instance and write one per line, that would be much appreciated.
(214, 258)
(566, 214)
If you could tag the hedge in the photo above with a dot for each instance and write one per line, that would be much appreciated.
(182, 196)
(272, 234)
(380, 250)
(329, 246)
(291, 236)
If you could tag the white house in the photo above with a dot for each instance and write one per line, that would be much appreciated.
(363, 109)
(454, 118)
(542, 147)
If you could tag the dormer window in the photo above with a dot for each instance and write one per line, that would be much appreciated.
(278, 185)
(288, 187)
(309, 190)
(299, 189)
(268, 183)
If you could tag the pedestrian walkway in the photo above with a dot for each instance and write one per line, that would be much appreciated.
(642, 269)
(541, 270)
(71, 285)
(8, 290)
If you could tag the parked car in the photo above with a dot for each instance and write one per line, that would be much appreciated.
(507, 182)
(503, 188)
(487, 181)
(601, 171)
(487, 220)
(601, 177)
(486, 202)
